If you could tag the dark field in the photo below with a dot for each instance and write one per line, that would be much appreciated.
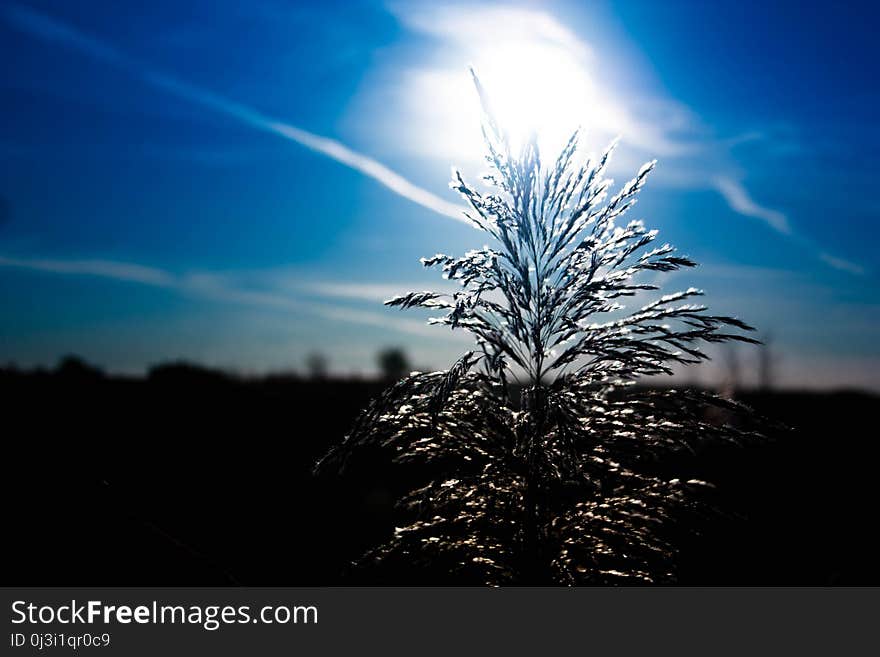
(191, 477)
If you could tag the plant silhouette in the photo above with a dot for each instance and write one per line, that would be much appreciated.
(562, 489)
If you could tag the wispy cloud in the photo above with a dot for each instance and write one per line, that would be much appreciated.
(738, 199)
(120, 271)
(651, 123)
(842, 265)
(372, 292)
(671, 130)
(472, 24)
(227, 288)
(46, 28)
(49, 29)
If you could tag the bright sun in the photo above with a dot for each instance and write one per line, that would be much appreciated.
(541, 78)
(537, 87)
(534, 86)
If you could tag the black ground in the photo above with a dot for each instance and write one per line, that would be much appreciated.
(190, 477)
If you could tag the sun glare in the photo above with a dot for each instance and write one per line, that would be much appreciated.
(536, 88)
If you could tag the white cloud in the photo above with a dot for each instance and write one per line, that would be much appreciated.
(49, 29)
(738, 199)
(466, 24)
(842, 265)
(227, 288)
(437, 97)
(530, 57)
(121, 271)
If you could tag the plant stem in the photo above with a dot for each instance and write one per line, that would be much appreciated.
(536, 406)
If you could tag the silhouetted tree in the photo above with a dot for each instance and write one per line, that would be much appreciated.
(74, 367)
(563, 489)
(316, 365)
(185, 374)
(393, 364)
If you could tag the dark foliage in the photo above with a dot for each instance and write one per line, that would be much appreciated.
(193, 477)
(393, 364)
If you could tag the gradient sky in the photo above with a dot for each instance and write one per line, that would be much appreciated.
(241, 184)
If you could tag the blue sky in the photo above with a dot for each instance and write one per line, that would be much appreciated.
(241, 184)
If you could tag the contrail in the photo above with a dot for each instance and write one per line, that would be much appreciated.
(49, 29)
(221, 288)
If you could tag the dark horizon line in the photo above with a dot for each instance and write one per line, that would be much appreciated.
(74, 364)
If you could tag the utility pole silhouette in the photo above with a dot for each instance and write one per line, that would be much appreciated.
(732, 375)
(766, 359)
